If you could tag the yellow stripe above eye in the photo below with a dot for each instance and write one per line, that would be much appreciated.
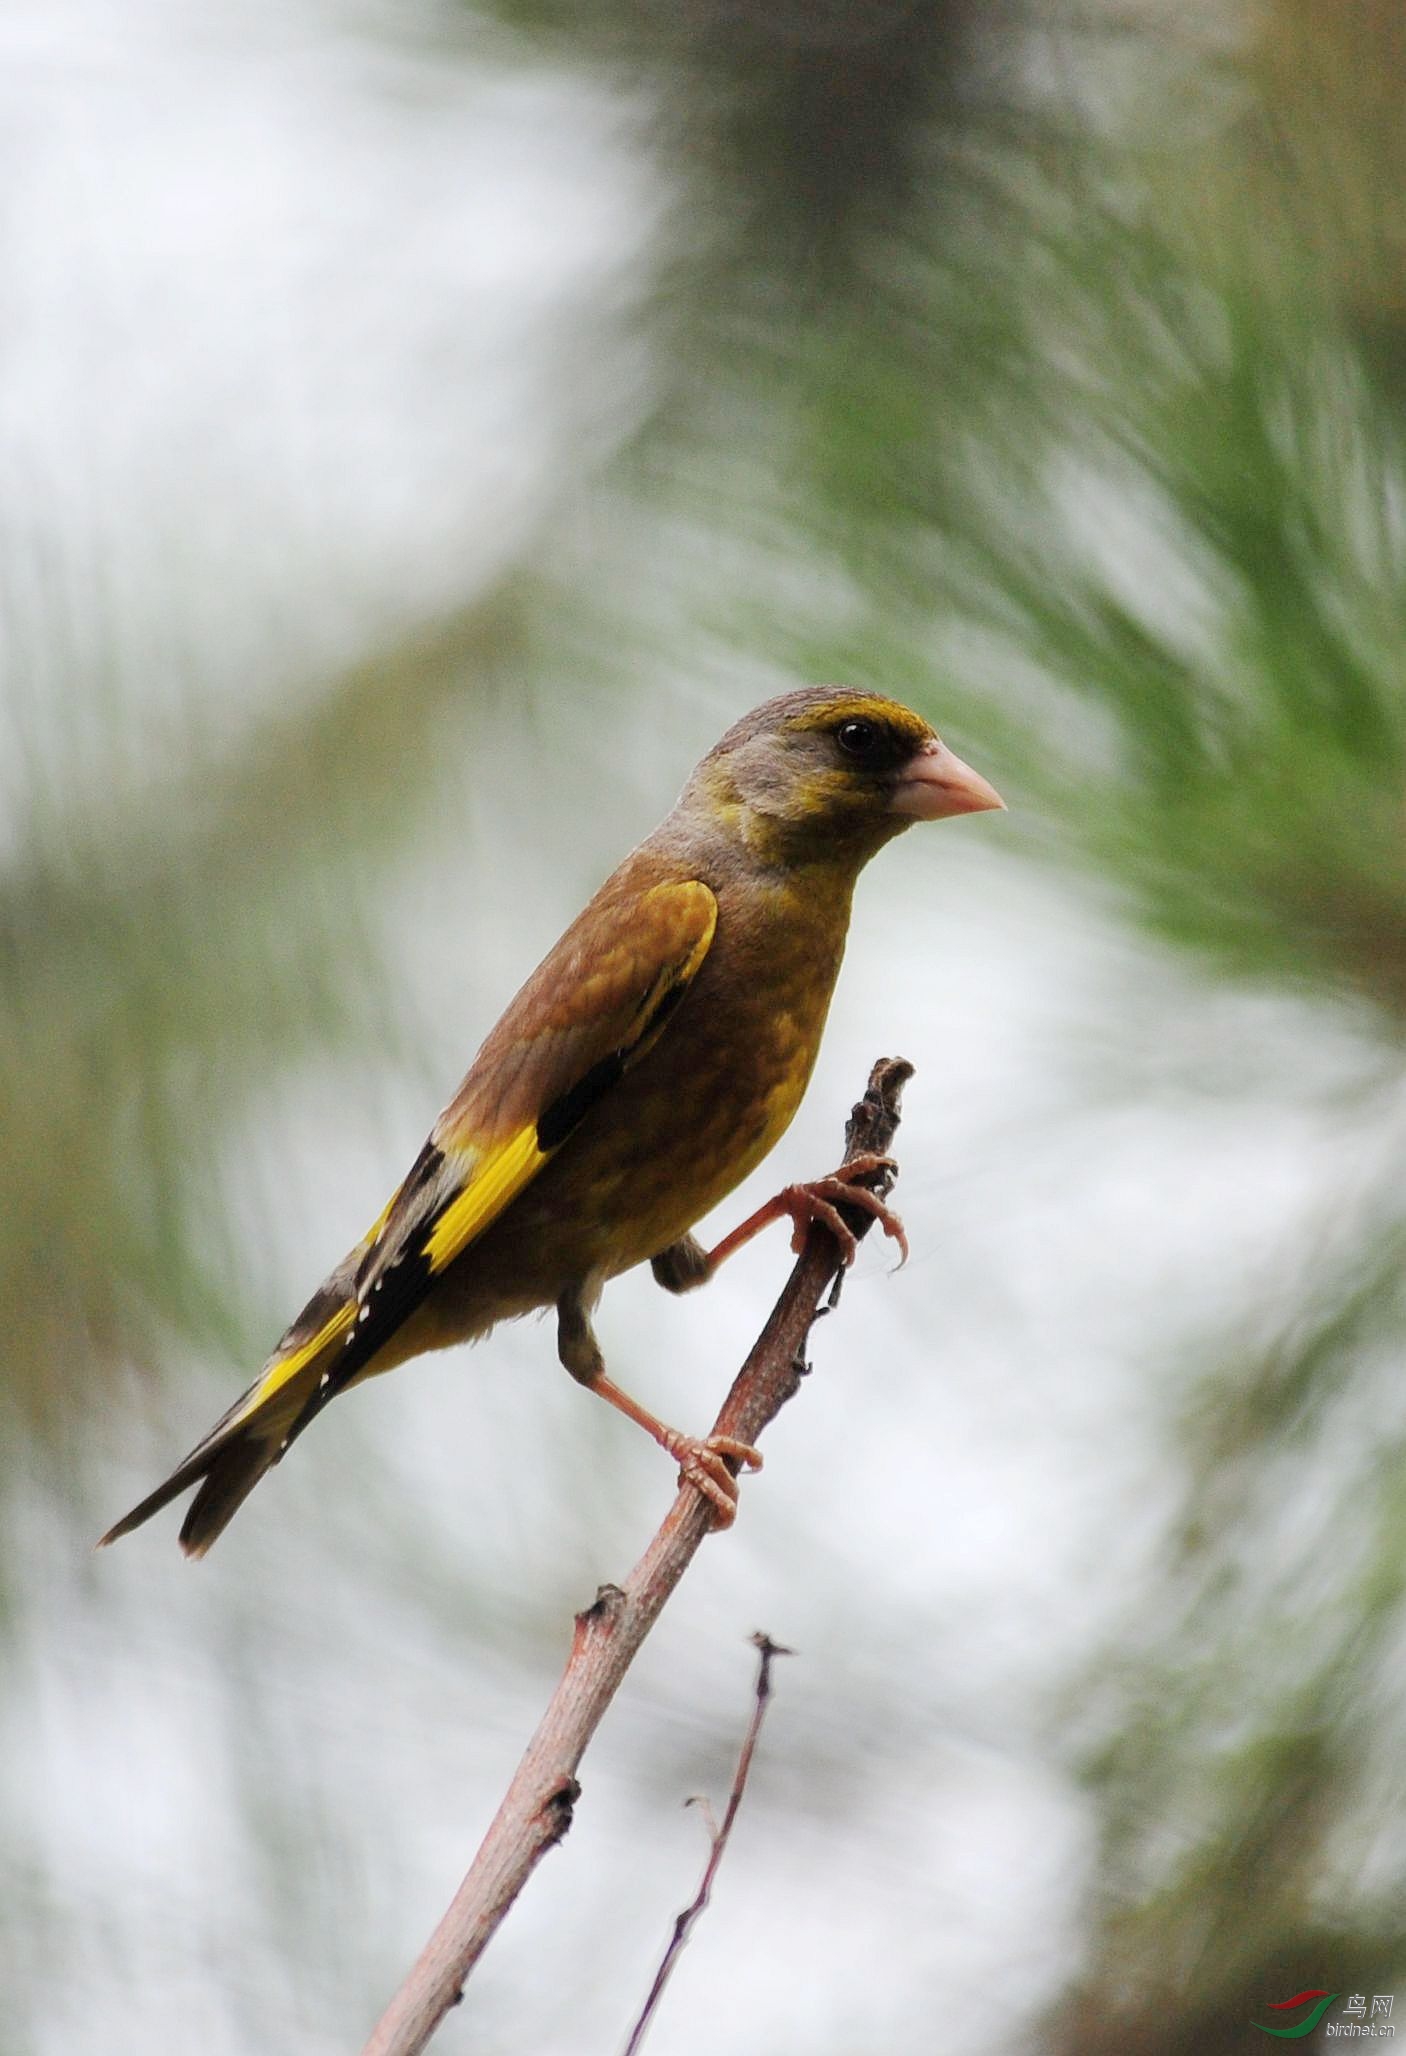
(494, 1181)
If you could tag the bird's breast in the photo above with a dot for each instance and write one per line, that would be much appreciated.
(721, 1086)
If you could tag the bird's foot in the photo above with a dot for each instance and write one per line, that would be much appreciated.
(802, 1204)
(821, 1198)
(708, 1467)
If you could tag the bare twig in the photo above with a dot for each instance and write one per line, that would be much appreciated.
(684, 1925)
(536, 1811)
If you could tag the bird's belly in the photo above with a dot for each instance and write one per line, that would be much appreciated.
(663, 1155)
(718, 1129)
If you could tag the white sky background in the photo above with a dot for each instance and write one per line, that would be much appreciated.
(289, 306)
(289, 312)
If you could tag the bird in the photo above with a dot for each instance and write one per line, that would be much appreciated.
(652, 1060)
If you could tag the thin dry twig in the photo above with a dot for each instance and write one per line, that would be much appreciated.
(718, 1836)
(536, 1811)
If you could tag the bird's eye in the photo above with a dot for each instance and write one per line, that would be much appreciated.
(857, 738)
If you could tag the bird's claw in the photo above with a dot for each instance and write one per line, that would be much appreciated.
(707, 1466)
(817, 1201)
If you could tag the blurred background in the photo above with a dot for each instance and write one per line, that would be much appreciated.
(422, 429)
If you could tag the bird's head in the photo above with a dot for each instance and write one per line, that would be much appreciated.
(832, 774)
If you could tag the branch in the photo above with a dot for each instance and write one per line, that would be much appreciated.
(719, 1836)
(536, 1811)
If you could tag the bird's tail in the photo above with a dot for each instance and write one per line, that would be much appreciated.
(252, 1436)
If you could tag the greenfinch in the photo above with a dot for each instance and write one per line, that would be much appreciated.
(650, 1062)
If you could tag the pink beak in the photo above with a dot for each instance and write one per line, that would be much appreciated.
(937, 783)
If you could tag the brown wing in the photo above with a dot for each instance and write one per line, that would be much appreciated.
(597, 1003)
(601, 999)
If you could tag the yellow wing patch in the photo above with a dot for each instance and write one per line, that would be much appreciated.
(286, 1368)
(496, 1180)
(381, 1219)
(562, 1046)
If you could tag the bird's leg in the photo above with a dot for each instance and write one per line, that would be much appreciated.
(704, 1464)
(686, 1263)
